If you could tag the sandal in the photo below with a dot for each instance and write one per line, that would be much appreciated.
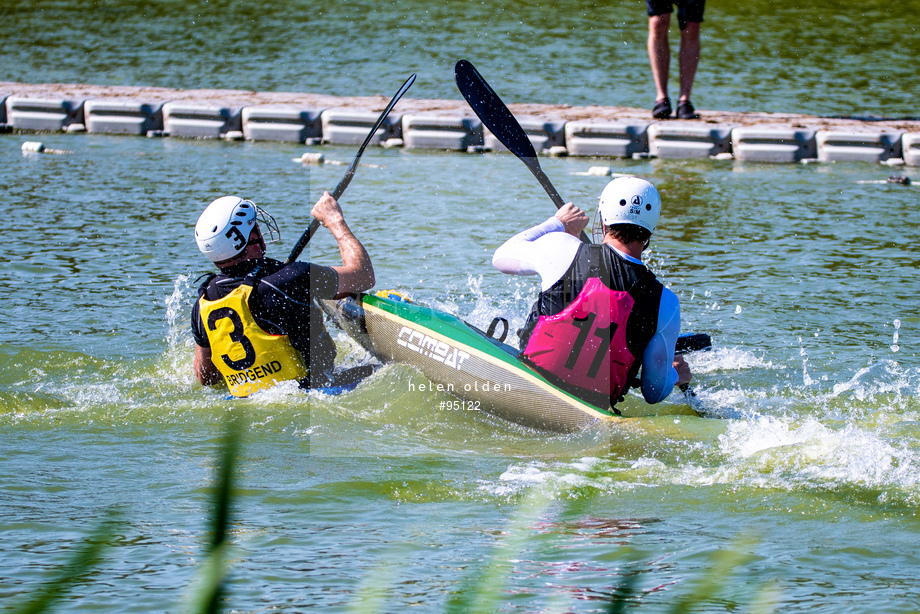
(662, 109)
(685, 110)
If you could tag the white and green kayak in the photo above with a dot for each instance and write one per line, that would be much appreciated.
(463, 361)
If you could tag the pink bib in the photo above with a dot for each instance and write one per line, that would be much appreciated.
(585, 343)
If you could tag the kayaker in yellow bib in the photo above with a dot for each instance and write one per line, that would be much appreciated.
(255, 323)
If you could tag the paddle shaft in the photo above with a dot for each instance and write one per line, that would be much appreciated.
(686, 343)
(350, 172)
(315, 224)
(496, 116)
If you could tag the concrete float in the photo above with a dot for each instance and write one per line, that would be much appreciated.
(773, 144)
(281, 123)
(910, 146)
(684, 139)
(42, 114)
(614, 139)
(200, 121)
(122, 116)
(452, 132)
(595, 131)
(858, 145)
(348, 126)
(542, 134)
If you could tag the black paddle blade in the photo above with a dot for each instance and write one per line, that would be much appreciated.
(499, 120)
(692, 342)
(492, 111)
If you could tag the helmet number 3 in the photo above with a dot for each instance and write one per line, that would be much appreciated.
(236, 335)
(239, 241)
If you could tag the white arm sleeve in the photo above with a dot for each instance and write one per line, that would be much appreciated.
(545, 250)
(658, 372)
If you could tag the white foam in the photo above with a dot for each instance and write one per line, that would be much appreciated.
(726, 359)
(778, 453)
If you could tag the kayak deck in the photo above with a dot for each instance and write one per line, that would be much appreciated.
(463, 361)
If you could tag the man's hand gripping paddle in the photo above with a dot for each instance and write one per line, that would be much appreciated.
(340, 189)
(499, 120)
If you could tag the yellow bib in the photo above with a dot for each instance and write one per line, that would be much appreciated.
(249, 358)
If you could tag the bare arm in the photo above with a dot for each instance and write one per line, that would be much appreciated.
(356, 272)
(205, 371)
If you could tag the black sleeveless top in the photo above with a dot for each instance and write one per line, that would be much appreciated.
(617, 273)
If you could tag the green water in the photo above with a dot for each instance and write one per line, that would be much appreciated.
(819, 57)
(804, 275)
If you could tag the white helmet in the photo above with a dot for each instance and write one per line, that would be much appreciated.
(223, 229)
(630, 200)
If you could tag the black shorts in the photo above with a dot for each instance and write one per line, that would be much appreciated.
(687, 10)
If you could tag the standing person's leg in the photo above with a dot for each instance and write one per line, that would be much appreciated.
(659, 55)
(689, 58)
(689, 16)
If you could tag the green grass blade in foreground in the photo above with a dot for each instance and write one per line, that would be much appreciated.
(484, 591)
(767, 600)
(724, 563)
(377, 586)
(208, 588)
(624, 594)
(84, 559)
(207, 591)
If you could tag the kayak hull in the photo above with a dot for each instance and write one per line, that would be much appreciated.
(461, 360)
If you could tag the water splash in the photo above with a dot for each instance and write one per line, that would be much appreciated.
(806, 379)
(727, 359)
(777, 453)
(176, 360)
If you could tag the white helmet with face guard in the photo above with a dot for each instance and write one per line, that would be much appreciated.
(224, 228)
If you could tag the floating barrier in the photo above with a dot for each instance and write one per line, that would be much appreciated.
(122, 117)
(884, 141)
(605, 138)
(281, 123)
(440, 131)
(42, 115)
(196, 121)
(345, 126)
(910, 145)
(543, 134)
(773, 144)
(858, 146)
(685, 140)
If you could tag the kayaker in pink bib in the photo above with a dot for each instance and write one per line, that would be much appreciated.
(601, 318)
